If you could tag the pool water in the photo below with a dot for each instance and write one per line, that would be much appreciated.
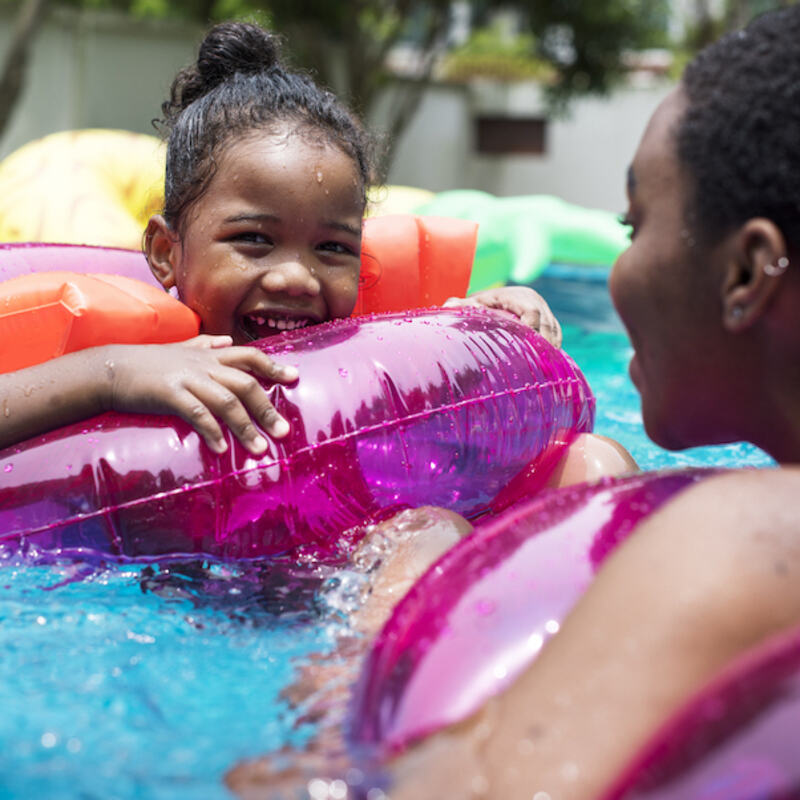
(135, 682)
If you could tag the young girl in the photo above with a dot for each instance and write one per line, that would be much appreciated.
(265, 191)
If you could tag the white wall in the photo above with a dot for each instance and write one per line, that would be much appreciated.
(95, 70)
(587, 152)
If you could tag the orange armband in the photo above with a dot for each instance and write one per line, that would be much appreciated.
(48, 314)
(414, 262)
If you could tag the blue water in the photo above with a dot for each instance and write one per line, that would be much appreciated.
(128, 683)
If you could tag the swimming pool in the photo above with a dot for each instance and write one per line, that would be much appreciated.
(134, 682)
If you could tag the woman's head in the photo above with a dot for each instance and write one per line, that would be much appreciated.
(714, 200)
(265, 190)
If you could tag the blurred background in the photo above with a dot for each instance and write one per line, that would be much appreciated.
(511, 98)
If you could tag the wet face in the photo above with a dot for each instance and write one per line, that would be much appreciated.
(274, 242)
(665, 287)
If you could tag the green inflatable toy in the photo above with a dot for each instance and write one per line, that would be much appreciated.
(519, 236)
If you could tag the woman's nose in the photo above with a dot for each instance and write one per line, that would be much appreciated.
(291, 275)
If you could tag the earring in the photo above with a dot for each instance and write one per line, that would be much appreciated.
(737, 312)
(777, 268)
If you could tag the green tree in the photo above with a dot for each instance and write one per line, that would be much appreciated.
(346, 45)
(586, 42)
(711, 20)
(15, 63)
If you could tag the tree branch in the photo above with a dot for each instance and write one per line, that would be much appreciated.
(12, 80)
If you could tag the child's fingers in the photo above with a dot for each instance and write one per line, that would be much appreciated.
(543, 322)
(255, 401)
(551, 330)
(253, 360)
(205, 340)
(188, 406)
(227, 407)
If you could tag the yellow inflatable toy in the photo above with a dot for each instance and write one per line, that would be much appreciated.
(386, 200)
(82, 187)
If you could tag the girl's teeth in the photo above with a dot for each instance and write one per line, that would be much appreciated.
(281, 324)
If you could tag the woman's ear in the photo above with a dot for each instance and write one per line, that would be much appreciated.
(754, 273)
(161, 247)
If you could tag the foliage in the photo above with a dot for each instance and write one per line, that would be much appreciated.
(712, 19)
(585, 41)
(574, 45)
(491, 53)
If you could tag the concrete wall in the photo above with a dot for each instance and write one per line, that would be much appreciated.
(586, 155)
(102, 70)
(95, 71)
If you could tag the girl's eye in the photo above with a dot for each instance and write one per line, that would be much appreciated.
(251, 237)
(339, 248)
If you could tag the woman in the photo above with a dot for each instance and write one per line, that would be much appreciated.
(709, 291)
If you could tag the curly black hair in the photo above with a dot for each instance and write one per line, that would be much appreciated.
(239, 85)
(739, 138)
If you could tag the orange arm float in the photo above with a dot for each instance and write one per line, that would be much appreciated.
(48, 314)
(414, 262)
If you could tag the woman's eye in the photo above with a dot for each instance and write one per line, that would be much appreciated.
(626, 220)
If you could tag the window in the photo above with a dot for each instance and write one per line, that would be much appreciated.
(496, 135)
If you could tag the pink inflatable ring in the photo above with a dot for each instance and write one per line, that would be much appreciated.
(438, 407)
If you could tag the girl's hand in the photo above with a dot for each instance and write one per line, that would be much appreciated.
(202, 380)
(521, 301)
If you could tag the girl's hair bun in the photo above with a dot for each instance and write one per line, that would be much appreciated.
(228, 48)
(239, 85)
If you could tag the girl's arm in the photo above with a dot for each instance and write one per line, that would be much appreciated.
(204, 380)
(521, 301)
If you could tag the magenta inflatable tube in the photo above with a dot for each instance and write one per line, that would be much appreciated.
(438, 407)
(28, 257)
(735, 740)
(482, 612)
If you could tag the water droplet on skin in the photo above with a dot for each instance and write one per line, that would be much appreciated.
(320, 176)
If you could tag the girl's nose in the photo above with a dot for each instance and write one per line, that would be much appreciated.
(292, 276)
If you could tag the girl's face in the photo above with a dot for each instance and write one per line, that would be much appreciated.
(274, 242)
(666, 288)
